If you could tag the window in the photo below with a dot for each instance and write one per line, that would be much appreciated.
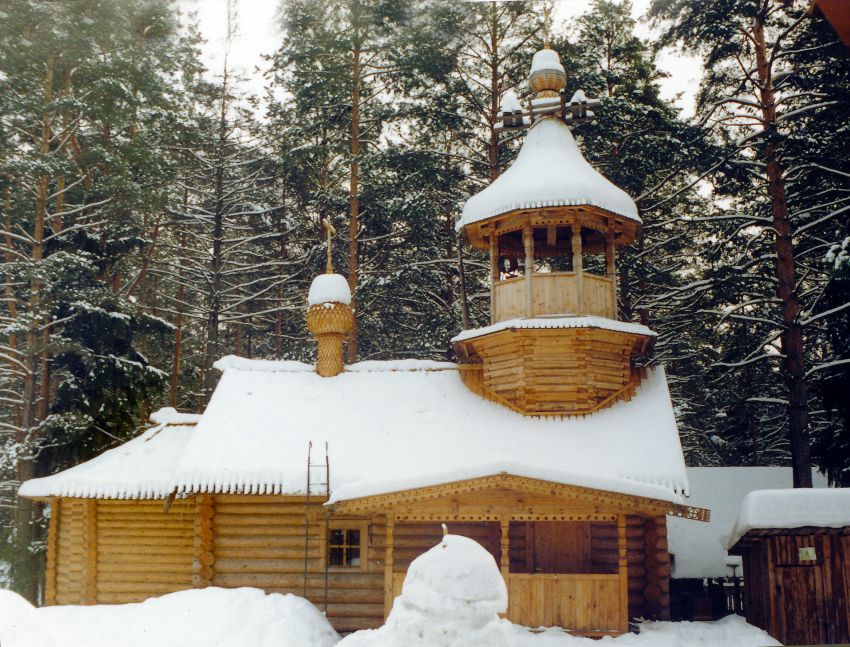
(344, 547)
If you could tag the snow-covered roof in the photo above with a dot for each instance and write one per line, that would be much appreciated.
(389, 426)
(549, 171)
(792, 508)
(546, 59)
(699, 549)
(556, 321)
(141, 468)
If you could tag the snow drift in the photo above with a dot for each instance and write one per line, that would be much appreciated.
(210, 617)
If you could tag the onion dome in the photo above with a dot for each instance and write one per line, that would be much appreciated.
(547, 77)
(330, 319)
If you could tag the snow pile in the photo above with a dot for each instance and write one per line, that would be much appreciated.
(549, 171)
(451, 597)
(20, 624)
(210, 617)
(171, 416)
(792, 508)
(329, 288)
(700, 548)
(546, 59)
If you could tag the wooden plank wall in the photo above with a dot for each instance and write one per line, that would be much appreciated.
(413, 539)
(259, 542)
(142, 551)
(70, 555)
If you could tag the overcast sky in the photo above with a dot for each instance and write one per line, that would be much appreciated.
(258, 34)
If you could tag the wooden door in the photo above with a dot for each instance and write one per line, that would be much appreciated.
(562, 547)
(799, 611)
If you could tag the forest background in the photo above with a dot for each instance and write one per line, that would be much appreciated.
(154, 217)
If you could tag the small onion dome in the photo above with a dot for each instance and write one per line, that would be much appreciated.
(329, 288)
(510, 103)
(547, 77)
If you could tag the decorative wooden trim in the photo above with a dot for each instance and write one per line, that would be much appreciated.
(52, 545)
(90, 520)
(402, 515)
(203, 565)
(389, 593)
(623, 572)
(393, 500)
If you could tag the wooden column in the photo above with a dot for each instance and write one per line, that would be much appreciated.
(389, 593)
(90, 582)
(623, 571)
(494, 272)
(578, 266)
(505, 548)
(204, 561)
(657, 564)
(611, 269)
(528, 245)
(50, 565)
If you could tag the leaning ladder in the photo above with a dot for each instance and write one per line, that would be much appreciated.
(316, 483)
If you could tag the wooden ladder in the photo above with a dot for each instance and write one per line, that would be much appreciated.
(317, 485)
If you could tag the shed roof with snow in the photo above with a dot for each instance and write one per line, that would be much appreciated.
(389, 426)
(699, 549)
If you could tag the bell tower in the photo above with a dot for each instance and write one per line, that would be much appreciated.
(551, 224)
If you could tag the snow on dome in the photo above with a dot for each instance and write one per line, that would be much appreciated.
(546, 59)
(510, 102)
(329, 288)
(171, 416)
(792, 508)
(549, 171)
(452, 595)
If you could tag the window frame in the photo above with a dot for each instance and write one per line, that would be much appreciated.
(348, 524)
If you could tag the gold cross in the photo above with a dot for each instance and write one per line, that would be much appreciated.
(329, 228)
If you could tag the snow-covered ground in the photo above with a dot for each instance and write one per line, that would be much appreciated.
(196, 618)
(452, 597)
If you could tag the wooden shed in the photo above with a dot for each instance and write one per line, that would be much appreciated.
(552, 442)
(795, 546)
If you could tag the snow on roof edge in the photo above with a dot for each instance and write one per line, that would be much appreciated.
(170, 416)
(791, 508)
(233, 362)
(670, 492)
(565, 321)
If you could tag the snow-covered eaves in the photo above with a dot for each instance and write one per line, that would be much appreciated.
(549, 171)
(393, 424)
(699, 549)
(556, 322)
(141, 468)
(791, 508)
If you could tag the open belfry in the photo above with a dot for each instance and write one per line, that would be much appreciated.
(554, 346)
(552, 441)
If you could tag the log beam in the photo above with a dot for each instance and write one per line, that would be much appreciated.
(389, 594)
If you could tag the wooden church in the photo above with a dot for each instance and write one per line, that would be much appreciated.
(552, 441)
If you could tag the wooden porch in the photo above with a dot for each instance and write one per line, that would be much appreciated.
(582, 559)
